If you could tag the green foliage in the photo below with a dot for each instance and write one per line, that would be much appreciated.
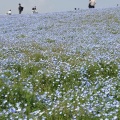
(50, 40)
(17, 94)
(36, 57)
(20, 92)
(118, 114)
(21, 36)
(102, 69)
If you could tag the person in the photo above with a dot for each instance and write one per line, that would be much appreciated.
(20, 8)
(9, 12)
(92, 3)
(34, 10)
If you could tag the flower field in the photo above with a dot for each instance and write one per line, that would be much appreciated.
(60, 66)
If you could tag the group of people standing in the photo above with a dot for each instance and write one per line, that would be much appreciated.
(20, 9)
(34, 10)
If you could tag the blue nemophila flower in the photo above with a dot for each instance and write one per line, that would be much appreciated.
(12, 110)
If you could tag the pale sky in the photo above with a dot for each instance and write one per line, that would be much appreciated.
(45, 6)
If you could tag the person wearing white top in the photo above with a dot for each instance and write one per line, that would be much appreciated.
(9, 12)
(92, 3)
(34, 10)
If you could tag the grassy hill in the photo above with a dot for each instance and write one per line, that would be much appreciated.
(60, 66)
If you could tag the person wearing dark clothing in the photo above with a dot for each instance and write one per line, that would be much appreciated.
(20, 8)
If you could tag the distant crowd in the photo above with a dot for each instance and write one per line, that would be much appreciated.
(91, 4)
(34, 10)
(20, 9)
